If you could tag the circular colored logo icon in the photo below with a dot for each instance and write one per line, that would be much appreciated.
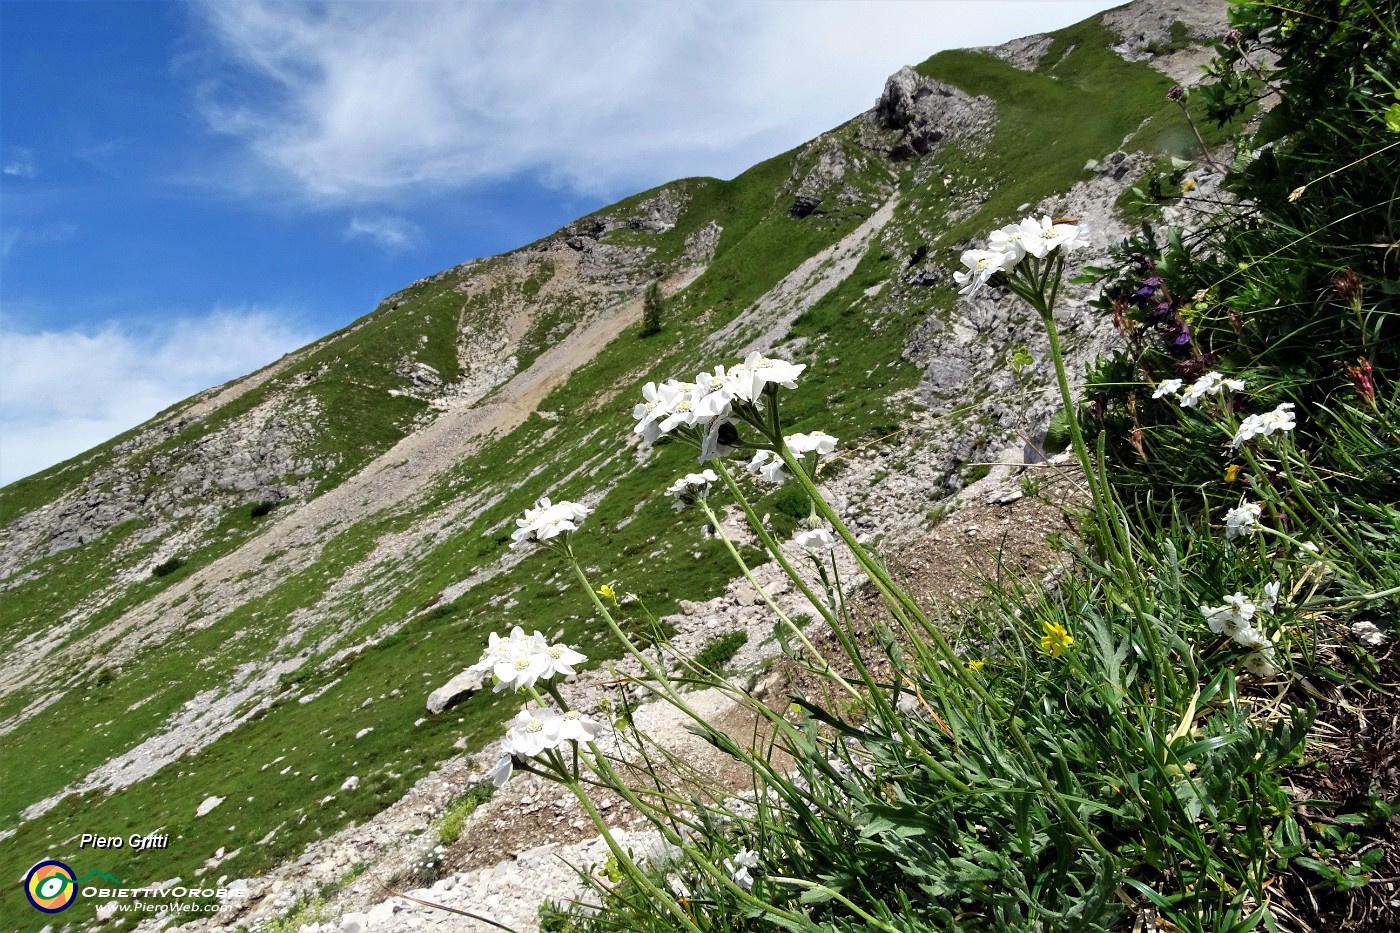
(50, 886)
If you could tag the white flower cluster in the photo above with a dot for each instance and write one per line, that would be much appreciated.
(1167, 387)
(815, 540)
(817, 442)
(1280, 419)
(1270, 600)
(548, 520)
(710, 402)
(1009, 245)
(738, 867)
(521, 661)
(539, 730)
(691, 487)
(1242, 520)
(766, 463)
(1235, 619)
(1262, 663)
(1208, 384)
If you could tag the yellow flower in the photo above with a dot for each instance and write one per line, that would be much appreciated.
(1189, 186)
(607, 592)
(1055, 639)
(976, 665)
(1232, 472)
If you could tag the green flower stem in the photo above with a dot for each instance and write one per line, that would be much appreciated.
(833, 622)
(826, 669)
(1340, 534)
(895, 596)
(1031, 289)
(835, 895)
(896, 720)
(892, 715)
(852, 652)
(551, 688)
(625, 861)
(662, 682)
(890, 591)
(1106, 514)
(613, 781)
(663, 685)
(772, 545)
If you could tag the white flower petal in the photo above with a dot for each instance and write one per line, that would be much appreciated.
(815, 541)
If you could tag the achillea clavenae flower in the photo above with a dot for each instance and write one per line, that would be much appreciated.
(548, 520)
(691, 487)
(1038, 238)
(815, 540)
(739, 866)
(520, 661)
(1242, 520)
(1209, 384)
(1235, 619)
(706, 411)
(1167, 387)
(1280, 419)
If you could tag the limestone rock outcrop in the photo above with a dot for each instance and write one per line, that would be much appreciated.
(927, 112)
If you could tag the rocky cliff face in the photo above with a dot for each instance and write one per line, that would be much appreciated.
(926, 112)
(337, 522)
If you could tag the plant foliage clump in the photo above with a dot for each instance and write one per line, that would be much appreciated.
(1116, 752)
(653, 307)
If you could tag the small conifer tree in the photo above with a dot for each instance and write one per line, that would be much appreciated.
(652, 307)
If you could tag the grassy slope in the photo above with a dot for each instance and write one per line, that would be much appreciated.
(1081, 108)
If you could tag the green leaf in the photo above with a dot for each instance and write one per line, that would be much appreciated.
(1392, 118)
(1057, 434)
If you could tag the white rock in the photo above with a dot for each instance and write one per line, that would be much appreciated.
(454, 691)
(364, 732)
(209, 804)
(106, 911)
(351, 783)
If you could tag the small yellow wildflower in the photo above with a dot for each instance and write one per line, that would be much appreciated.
(1055, 639)
(1189, 186)
(977, 665)
(1232, 472)
(607, 592)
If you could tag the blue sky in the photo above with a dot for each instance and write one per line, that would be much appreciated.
(189, 190)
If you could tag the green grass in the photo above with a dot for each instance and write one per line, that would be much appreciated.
(454, 818)
(721, 650)
(1079, 104)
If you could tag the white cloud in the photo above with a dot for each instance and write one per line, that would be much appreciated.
(62, 392)
(364, 102)
(392, 233)
(43, 234)
(20, 164)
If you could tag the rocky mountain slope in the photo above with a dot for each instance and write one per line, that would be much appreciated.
(249, 598)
